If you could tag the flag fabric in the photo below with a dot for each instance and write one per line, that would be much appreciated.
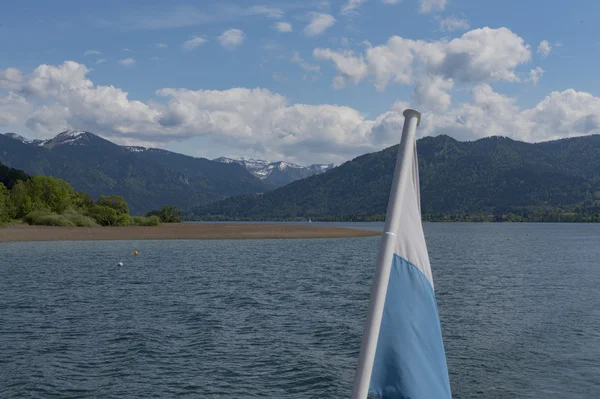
(410, 361)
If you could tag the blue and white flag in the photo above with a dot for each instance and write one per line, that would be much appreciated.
(409, 360)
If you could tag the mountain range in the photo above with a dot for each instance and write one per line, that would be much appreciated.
(277, 173)
(493, 174)
(147, 177)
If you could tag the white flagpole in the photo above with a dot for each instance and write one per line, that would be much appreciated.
(366, 358)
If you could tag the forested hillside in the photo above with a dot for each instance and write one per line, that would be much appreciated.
(491, 175)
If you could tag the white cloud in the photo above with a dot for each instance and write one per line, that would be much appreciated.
(101, 61)
(450, 24)
(231, 38)
(351, 7)
(283, 26)
(161, 45)
(319, 23)
(311, 71)
(392, 61)
(426, 6)
(194, 42)
(127, 61)
(432, 92)
(271, 12)
(535, 75)
(350, 67)
(61, 96)
(488, 114)
(10, 78)
(560, 114)
(127, 50)
(53, 98)
(391, 1)
(51, 117)
(544, 48)
(14, 109)
(92, 52)
(297, 59)
(478, 56)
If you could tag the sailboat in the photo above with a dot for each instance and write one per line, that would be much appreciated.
(402, 353)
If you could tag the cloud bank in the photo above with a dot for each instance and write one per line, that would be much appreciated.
(52, 98)
(478, 56)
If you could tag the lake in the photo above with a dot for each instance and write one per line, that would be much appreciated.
(284, 318)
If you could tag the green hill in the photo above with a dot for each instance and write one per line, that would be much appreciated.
(490, 175)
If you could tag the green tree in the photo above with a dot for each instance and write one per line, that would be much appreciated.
(49, 193)
(6, 210)
(21, 200)
(107, 216)
(115, 202)
(167, 214)
(83, 201)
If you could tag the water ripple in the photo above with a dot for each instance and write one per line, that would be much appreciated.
(283, 319)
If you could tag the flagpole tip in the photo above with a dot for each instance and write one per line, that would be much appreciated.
(413, 112)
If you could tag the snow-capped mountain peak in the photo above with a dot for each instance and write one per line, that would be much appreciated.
(17, 137)
(278, 173)
(133, 148)
(66, 137)
(248, 163)
(282, 165)
(71, 133)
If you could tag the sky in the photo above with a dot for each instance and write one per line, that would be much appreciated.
(306, 82)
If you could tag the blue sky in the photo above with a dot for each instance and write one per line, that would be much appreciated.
(318, 81)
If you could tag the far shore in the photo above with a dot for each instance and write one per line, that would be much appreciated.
(178, 231)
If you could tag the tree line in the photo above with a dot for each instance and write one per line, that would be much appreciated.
(45, 200)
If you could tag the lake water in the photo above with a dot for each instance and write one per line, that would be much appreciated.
(284, 318)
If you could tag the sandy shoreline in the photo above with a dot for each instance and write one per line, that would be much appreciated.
(181, 231)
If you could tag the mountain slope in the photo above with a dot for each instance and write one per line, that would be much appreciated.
(277, 173)
(233, 178)
(490, 174)
(100, 167)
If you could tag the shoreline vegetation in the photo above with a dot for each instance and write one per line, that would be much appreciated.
(528, 216)
(43, 208)
(177, 231)
(48, 201)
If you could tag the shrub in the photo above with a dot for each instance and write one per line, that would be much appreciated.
(145, 221)
(43, 218)
(78, 219)
(107, 216)
(167, 214)
(115, 202)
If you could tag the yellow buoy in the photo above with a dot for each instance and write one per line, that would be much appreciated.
(135, 253)
(509, 239)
